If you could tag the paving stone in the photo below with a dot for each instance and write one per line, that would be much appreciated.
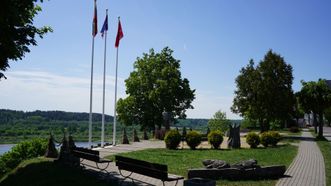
(307, 169)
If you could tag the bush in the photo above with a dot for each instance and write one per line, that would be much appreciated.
(275, 137)
(215, 138)
(253, 139)
(172, 139)
(270, 138)
(193, 139)
(21, 151)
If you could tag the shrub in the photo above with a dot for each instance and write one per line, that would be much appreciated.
(294, 129)
(23, 150)
(274, 138)
(193, 139)
(172, 139)
(215, 138)
(265, 139)
(253, 139)
(270, 138)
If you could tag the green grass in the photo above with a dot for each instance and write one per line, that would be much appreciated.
(325, 147)
(42, 171)
(179, 161)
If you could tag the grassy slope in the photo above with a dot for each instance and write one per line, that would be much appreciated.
(179, 161)
(42, 171)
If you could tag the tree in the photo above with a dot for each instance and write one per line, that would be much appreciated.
(298, 111)
(154, 87)
(264, 93)
(219, 122)
(327, 114)
(315, 97)
(17, 31)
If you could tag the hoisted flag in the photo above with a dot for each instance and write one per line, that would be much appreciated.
(95, 20)
(119, 34)
(104, 27)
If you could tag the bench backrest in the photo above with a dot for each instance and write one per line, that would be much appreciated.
(86, 154)
(154, 170)
(89, 151)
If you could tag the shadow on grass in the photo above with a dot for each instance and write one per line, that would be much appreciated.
(49, 173)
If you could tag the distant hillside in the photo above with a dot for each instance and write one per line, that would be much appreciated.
(7, 116)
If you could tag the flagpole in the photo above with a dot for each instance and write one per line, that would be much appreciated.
(115, 104)
(94, 33)
(103, 96)
(91, 92)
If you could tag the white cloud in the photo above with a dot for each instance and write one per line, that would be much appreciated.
(32, 90)
(40, 90)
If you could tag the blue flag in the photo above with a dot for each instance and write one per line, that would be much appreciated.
(104, 28)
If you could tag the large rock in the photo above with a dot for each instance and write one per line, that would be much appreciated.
(216, 164)
(246, 164)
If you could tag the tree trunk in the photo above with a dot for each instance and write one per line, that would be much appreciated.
(264, 125)
(315, 122)
(321, 124)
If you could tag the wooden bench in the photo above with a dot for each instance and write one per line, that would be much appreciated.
(92, 155)
(153, 170)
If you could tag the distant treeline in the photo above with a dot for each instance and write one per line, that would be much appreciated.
(8, 116)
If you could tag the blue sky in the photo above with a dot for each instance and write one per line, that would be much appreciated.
(213, 39)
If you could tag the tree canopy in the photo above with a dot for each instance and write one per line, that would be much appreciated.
(154, 87)
(17, 31)
(219, 122)
(315, 97)
(264, 93)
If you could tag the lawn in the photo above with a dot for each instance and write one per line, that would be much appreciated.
(42, 171)
(325, 147)
(179, 161)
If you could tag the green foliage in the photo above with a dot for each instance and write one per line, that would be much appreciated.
(315, 97)
(247, 123)
(17, 30)
(172, 139)
(265, 139)
(215, 139)
(327, 114)
(270, 138)
(275, 125)
(253, 139)
(155, 86)
(275, 137)
(22, 151)
(193, 139)
(219, 122)
(264, 93)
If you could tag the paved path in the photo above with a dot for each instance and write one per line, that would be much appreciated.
(307, 169)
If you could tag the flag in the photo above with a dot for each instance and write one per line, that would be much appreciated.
(95, 20)
(119, 34)
(104, 27)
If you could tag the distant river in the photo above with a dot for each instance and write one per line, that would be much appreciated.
(6, 147)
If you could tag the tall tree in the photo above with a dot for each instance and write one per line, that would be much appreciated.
(154, 87)
(17, 31)
(327, 114)
(219, 122)
(316, 97)
(264, 93)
